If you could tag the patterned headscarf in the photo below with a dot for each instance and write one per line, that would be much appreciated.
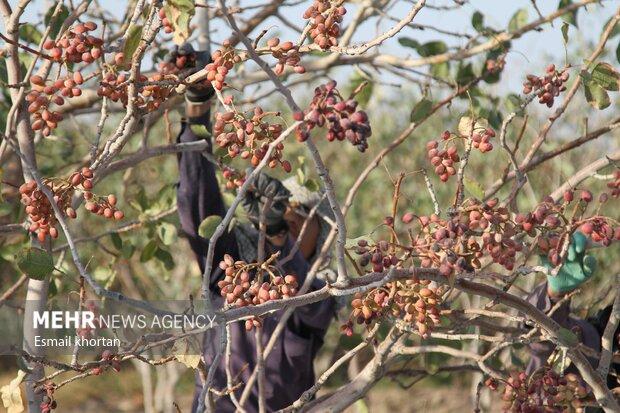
(303, 201)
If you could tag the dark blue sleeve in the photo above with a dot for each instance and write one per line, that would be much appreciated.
(312, 318)
(198, 197)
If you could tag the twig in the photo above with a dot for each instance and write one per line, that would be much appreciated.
(12, 289)
(431, 191)
(607, 341)
(362, 48)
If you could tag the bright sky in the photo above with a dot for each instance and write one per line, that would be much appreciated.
(529, 53)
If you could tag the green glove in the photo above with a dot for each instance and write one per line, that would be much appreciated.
(577, 268)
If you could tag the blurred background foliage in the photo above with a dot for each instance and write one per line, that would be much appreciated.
(152, 260)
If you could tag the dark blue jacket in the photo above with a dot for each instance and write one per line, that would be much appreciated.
(289, 367)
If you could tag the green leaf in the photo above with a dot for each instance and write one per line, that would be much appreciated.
(565, 33)
(9, 251)
(473, 187)
(441, 70)
(571, 17)
(116, 241)
(606, 76)
(104, 274)
(29, 33)
(421, 110)
(36, 263)
(432, 48)
(364, 95)
(465, 74)
(408, 42)
(491, 77)
(228, 199)
(567, 337)
(180, 13)
(618, 52)
(185, 5)
(361, 406)
(208, 225)
(128, 250)
(596, 95)
(167, 233)
(301, 176)
(140, 202)
(495, 119)
(52, 290)
(201, 131)
(4, 77)
(132, 42)
(58, 21)
(149, 251)
(477, 21)
(515, 360)
(518, 20)
(312, 185)
(165, 258)
(513, 103)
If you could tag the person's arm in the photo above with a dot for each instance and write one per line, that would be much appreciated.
(313, 318)
(198, 194)
(542, 300)
(577, 269)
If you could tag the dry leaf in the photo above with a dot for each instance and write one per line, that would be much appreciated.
(11, 394)
(465, 122)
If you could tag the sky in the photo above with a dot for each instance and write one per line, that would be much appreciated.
(528, 53)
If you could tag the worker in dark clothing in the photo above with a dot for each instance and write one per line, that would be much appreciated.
(289, 366)
(577, 269)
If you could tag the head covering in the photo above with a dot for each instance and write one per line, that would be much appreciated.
(303, 201)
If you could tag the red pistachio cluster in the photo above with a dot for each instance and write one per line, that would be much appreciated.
(553, 223)
(544, 391)
(152, 90)
(324, 19)
(224, 60)
(48, 403)
(247, 284)
(76, 45)
(614, 185)
(40, 212)
(413, 301)
(287, 54)
(548, 86)
(234, 178)
(165, 22)
(249, 136)
(340, 116)
(44, 94)
(443, 158)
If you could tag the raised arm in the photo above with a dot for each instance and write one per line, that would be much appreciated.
(198, 194)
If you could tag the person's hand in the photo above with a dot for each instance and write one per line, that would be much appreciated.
(267, 188)
(575, 271)
(185, 57)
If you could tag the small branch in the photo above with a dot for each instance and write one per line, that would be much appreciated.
(607, 341)
(431, 191)
(26, 48)
(12, 290)
(362, 48)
